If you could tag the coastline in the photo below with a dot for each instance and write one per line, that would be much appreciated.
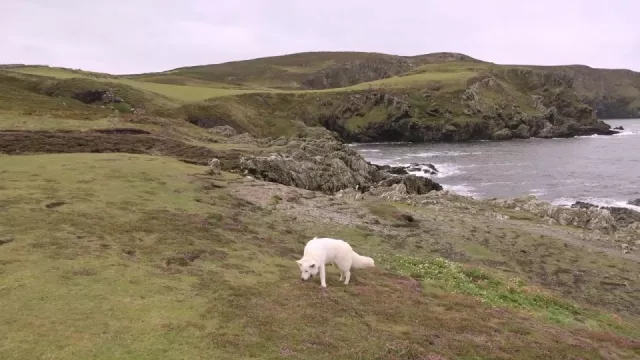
(460, 162)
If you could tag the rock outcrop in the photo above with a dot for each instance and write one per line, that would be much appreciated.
(103, 96)
(404, 115)
(623, 216)
(635, 202)
(358, 71)
(326, 165)
(592, 218)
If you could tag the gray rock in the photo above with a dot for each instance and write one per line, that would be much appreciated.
(635, 202)
(504, 134)
(224, 130)
(326, 165)
(523, 132)
(413, 184)
(623, 216)
(215, 166)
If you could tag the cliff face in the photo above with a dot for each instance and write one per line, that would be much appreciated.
(501, 105)
(613, 93)
(362, 96)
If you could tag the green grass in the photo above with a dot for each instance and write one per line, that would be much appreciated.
(220, 92)
(108, 256)
(181, 93)
(501, 291)
(185, 93)
(15, 121)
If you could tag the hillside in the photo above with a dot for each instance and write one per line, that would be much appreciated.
(117, 241)
(361, 96)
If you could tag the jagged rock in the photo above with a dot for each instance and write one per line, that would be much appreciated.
(623, 216)
(395, 170)
(618, 128)
(523, 132)
(324, 165)
(224, 130)
(504, 134)
(358, 71)
(215, 166)
(413, 184)
(244, 138)
(592, 218)
(97, 96)
(583, 205)
(635, 202)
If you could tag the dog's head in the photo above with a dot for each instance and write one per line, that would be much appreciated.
(308, 268)
(368, 262)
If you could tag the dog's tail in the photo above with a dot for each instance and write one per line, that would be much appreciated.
(361, 262)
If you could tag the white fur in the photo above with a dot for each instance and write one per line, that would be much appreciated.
(323, 251)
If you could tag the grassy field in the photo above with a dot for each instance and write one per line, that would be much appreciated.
(118, 250)
(107, 256)
(184, 93)
(200, 91)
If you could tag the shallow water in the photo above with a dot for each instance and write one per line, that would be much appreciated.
(603, 170)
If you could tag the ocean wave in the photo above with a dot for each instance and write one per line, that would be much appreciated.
(369, 150)
(444, 170)
(595, 201)
(537, 192)
(462, 189)
(622, 133)
(442, 153)
(491, 165)
(627, 133)
(379, 143)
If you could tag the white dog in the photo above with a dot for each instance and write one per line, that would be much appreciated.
(322, 251)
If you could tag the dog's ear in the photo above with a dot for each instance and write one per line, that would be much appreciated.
(312, 266)
(299, 262)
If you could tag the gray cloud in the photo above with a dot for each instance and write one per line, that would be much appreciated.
(120, 36)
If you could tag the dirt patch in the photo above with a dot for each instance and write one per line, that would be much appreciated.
(188, 257)
(111, 141)
(410, 283)
(131, 131)
(6, 241)
(55, 204)
(84, 272)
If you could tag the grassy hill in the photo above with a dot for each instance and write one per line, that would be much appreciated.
(116, 243)
(362, 96)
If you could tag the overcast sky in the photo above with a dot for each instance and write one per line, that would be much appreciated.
(130, 36)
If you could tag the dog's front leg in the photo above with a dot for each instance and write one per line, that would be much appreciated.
(323, 282)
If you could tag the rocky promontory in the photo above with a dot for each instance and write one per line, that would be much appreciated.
(328, 165)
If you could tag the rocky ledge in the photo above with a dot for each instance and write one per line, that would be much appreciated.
(328, 165)
(601, 225)
(623, 216)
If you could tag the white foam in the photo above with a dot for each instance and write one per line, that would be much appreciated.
(627, 133)
(537, 192)
(380, 143)
(622, 133)
(463, 190)
(442, 153)
(444, 170)
(369, 150)
(595, 201)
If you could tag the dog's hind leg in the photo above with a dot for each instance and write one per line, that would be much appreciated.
(347, 276)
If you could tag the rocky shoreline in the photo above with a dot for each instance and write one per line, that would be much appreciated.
(412, 118)
(325, 163)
